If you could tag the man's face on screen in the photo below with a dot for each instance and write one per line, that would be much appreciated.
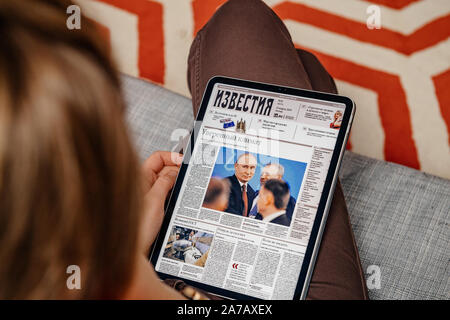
(245, 167)
(270, 172)
(265, 201)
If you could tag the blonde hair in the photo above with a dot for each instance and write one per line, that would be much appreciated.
(69, 177)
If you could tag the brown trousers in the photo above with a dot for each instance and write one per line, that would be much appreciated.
(246, 39)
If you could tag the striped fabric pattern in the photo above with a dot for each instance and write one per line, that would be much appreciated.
(398, 75)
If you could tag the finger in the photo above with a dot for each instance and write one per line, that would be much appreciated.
(155, 163)
(163, 184)
(167, 170)
(160, 159)
(155, 198)
(148, 179)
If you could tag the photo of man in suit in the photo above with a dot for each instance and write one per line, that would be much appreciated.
(241, 193)
(272, 201)
(272, 171)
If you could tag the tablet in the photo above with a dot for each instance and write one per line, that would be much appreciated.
(249, 206)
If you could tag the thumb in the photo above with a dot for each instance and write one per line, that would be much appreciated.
(164, 183)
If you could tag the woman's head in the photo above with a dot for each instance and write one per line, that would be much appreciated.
(69, 179)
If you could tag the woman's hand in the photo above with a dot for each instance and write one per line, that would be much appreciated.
(159, 172)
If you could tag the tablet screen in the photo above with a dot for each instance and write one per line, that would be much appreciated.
(244, 214)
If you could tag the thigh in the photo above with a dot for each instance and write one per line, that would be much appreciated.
(338, 273)
(245, 39)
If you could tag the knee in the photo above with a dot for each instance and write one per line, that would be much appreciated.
(245, 4)
(244, 12)
(244, 19)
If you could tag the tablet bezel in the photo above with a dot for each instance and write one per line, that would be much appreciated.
(325, 200)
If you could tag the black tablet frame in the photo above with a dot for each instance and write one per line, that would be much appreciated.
(325, 200)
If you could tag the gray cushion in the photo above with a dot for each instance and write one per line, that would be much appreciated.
(400, 216)
(156, 116)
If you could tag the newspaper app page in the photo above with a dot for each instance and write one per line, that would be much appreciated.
(244, 214)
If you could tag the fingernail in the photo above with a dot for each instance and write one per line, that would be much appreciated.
(178, 158)
(172, 173)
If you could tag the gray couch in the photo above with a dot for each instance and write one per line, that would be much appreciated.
(400, 216)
